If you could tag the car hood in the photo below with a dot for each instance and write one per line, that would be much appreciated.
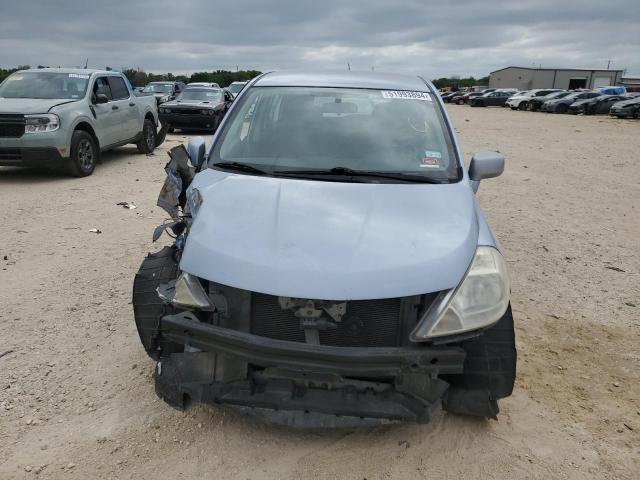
(190, 103)
(31, 105)
(330, 240)
(626, 103)
(583, 101)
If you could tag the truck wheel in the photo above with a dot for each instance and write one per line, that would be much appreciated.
(489, 371)
(147, 143)
(84, 154)
(161, 135)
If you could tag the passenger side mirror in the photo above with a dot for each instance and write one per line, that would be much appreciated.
(196, 148)
(101, 98)
(485, 165)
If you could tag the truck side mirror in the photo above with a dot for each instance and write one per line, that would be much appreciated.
(196, 148)
(485, 165)
(101, 98)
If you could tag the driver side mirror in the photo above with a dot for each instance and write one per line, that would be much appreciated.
(101, 98)
(485, 165)
(196, 148)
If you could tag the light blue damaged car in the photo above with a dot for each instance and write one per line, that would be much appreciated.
(332, 265)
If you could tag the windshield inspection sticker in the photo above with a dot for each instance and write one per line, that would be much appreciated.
(77, 75)
(406, 95)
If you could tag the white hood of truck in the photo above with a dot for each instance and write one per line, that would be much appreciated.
(330, 240)
(30, 105)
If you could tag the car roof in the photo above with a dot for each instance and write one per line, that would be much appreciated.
(202, 88)
(344, 79)
(83, 71)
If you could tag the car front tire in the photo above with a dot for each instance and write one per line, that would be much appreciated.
(147, 143)
(84, 154)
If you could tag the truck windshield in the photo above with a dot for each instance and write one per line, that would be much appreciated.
(202, 95)
(44, 85)
(158, 88)
(280, 128)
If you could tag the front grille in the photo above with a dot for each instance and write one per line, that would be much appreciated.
(10, 155)
(11, 126)
(367, 323)
(185, 111)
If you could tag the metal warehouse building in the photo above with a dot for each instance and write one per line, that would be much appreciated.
(524, 78)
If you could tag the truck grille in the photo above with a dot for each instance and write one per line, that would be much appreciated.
(367, 323)
(10, 155)
(11, 126)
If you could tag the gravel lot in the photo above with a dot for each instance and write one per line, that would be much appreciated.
(76, 394)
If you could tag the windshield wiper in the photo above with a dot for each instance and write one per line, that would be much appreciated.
(348, 172)
(240, 167)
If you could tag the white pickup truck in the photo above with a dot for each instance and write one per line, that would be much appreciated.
(60, 117)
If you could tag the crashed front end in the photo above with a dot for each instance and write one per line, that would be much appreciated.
(305, 361)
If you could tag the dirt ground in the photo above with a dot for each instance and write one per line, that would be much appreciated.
(76, 393)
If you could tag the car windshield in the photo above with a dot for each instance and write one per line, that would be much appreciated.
(295, 128)
(202, 95)
(556, 95)
(158, 88)
(44, 85)
(235, 88)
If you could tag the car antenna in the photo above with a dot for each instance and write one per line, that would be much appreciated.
(86, 63)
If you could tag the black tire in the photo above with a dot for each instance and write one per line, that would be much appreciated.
(156, 269)
(489, 371)
(147, 143)
(161, 135)
(514, 108)
(171, 130)
(523, 106)
(84, 154)
(562, 108)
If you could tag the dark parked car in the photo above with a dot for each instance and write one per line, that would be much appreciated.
(466, 98)
(596, 105)
(561, 105)
(626, 109)
(164, 91)
(446, 97)
(196, 108)
(497, 98)
(454, 97)
(536, 103)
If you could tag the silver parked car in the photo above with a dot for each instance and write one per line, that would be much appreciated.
(332, 265)
(64, 118)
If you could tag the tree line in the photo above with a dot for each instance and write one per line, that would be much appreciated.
(140, 78)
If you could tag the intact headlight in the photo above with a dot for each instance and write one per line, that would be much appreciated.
(46, 122)
(479, 301)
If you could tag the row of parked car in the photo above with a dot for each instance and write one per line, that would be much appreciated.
(198, 105)
(606, 100)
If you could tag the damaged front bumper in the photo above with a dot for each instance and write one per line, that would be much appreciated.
(300, 384)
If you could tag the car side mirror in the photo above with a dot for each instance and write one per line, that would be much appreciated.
(101, 98)
(196, 148)
(485, 165)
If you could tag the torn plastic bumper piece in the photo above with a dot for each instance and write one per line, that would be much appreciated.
(300, 384)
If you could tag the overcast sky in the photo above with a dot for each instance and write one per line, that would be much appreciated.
(408, 36)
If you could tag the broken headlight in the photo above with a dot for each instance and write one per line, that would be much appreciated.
(479, 301)
(46, 122)
(189, 293)
(194, 200)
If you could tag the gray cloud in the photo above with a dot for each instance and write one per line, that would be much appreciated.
(426, 37)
